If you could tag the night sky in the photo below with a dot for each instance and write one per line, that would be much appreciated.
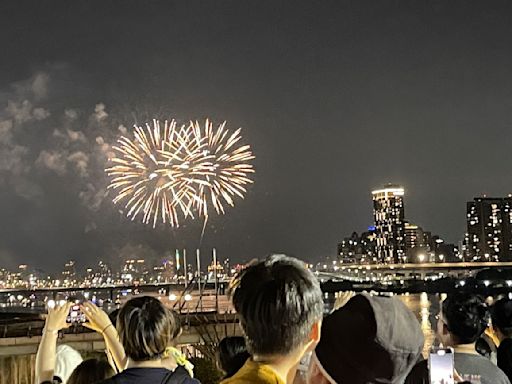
(335, 98)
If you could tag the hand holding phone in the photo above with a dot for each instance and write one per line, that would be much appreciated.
(75, 315)
(441, 366)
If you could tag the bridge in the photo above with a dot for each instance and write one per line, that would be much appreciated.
(409, 271)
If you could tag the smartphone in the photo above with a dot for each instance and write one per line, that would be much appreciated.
(76, 315)
(441, 366)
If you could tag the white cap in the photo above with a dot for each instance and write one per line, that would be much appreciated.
(66, 360)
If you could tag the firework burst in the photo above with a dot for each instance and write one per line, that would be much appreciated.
(225, 169)
(167, 172)
(147, 172)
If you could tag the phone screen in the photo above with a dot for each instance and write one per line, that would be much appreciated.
(76, 315)
(440, 364)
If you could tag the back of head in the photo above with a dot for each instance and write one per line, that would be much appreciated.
(145, 328)
(502, 316)
(278, 301)
(465, 316)
(369, 340)
(66, 360)
(91, 371)
(232, 354)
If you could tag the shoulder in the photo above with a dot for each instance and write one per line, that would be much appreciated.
(254, 373)
(181, 376)
(481, 365)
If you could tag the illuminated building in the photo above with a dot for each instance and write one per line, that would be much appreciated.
(358, 249)
(416, 243)
(489, 229)
(69, 273)
(413, 236)
(388, 213)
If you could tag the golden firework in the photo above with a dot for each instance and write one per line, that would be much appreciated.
(167, 172)
(225, 169)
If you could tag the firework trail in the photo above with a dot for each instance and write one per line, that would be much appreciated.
(165, 173)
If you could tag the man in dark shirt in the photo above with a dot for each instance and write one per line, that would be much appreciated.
(502, 326)
(461, 321)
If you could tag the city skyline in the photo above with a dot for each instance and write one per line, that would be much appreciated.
(334, 99)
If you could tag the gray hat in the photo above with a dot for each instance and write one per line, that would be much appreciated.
(369, 340)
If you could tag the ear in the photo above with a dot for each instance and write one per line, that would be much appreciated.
(315, 331)
(314, 336)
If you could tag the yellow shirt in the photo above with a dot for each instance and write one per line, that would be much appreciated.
(254, 373)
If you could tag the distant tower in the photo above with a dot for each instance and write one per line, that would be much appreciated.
(489, 229)
(388, 213)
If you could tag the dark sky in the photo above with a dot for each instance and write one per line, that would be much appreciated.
(335, 97)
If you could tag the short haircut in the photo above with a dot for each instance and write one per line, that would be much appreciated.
(466, 316)
(278, 301)
(502, 316)
(232, 354)
(145, 328)
(91, 371)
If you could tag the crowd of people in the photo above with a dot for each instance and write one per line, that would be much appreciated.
(287, 339)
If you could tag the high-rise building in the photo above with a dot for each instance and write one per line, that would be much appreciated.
(388, 213)
(416, 246)
(413, 236)
(489, 229)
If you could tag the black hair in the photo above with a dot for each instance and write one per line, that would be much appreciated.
(278, 301)
(466, 316)
(232, 354)
(145, 327)
(91, 371)
(502, 316)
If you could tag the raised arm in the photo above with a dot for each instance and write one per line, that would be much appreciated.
(45, 358)
(99, 321)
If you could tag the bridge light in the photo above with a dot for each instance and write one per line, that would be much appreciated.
(487, 283)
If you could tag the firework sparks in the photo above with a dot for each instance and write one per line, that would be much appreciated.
(225, 170)
(147, 173)
(165, 173)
